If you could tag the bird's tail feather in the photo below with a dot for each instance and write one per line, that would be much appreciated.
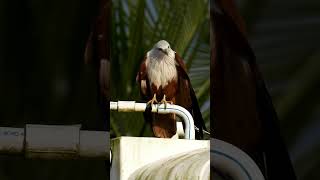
(164, 125)
(199, 122)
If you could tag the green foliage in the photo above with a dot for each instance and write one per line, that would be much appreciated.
(136, 26)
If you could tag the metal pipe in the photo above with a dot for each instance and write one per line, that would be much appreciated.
(132, 106)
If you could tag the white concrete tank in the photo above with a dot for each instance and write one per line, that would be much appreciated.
(162, 159)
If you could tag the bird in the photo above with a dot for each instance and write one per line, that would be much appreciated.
(163, 78)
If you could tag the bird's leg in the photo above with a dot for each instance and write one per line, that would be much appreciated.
(153, 100)
(164, 101)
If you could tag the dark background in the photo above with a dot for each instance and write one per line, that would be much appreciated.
(285, 37)
(43, 78)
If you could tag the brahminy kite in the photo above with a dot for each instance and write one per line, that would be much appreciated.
(163, 78)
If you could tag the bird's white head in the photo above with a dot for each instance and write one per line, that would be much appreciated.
(162, 48)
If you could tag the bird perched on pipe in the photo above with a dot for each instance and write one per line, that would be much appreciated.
(163, 78)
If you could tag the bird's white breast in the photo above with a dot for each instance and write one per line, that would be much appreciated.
(161, 69)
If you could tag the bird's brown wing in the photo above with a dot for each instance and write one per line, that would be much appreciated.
(144, 88)
(143, 82)
(186, 97)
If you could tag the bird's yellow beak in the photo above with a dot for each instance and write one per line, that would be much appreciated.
(164, 51)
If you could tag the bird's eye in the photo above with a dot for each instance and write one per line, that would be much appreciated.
(168, 46)
(159, 49)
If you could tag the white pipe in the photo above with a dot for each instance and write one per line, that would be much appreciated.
(132, 106)
(230, 160)
(54, 142)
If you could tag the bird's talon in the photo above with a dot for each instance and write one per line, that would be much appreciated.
(153, 100)
(165, 102)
